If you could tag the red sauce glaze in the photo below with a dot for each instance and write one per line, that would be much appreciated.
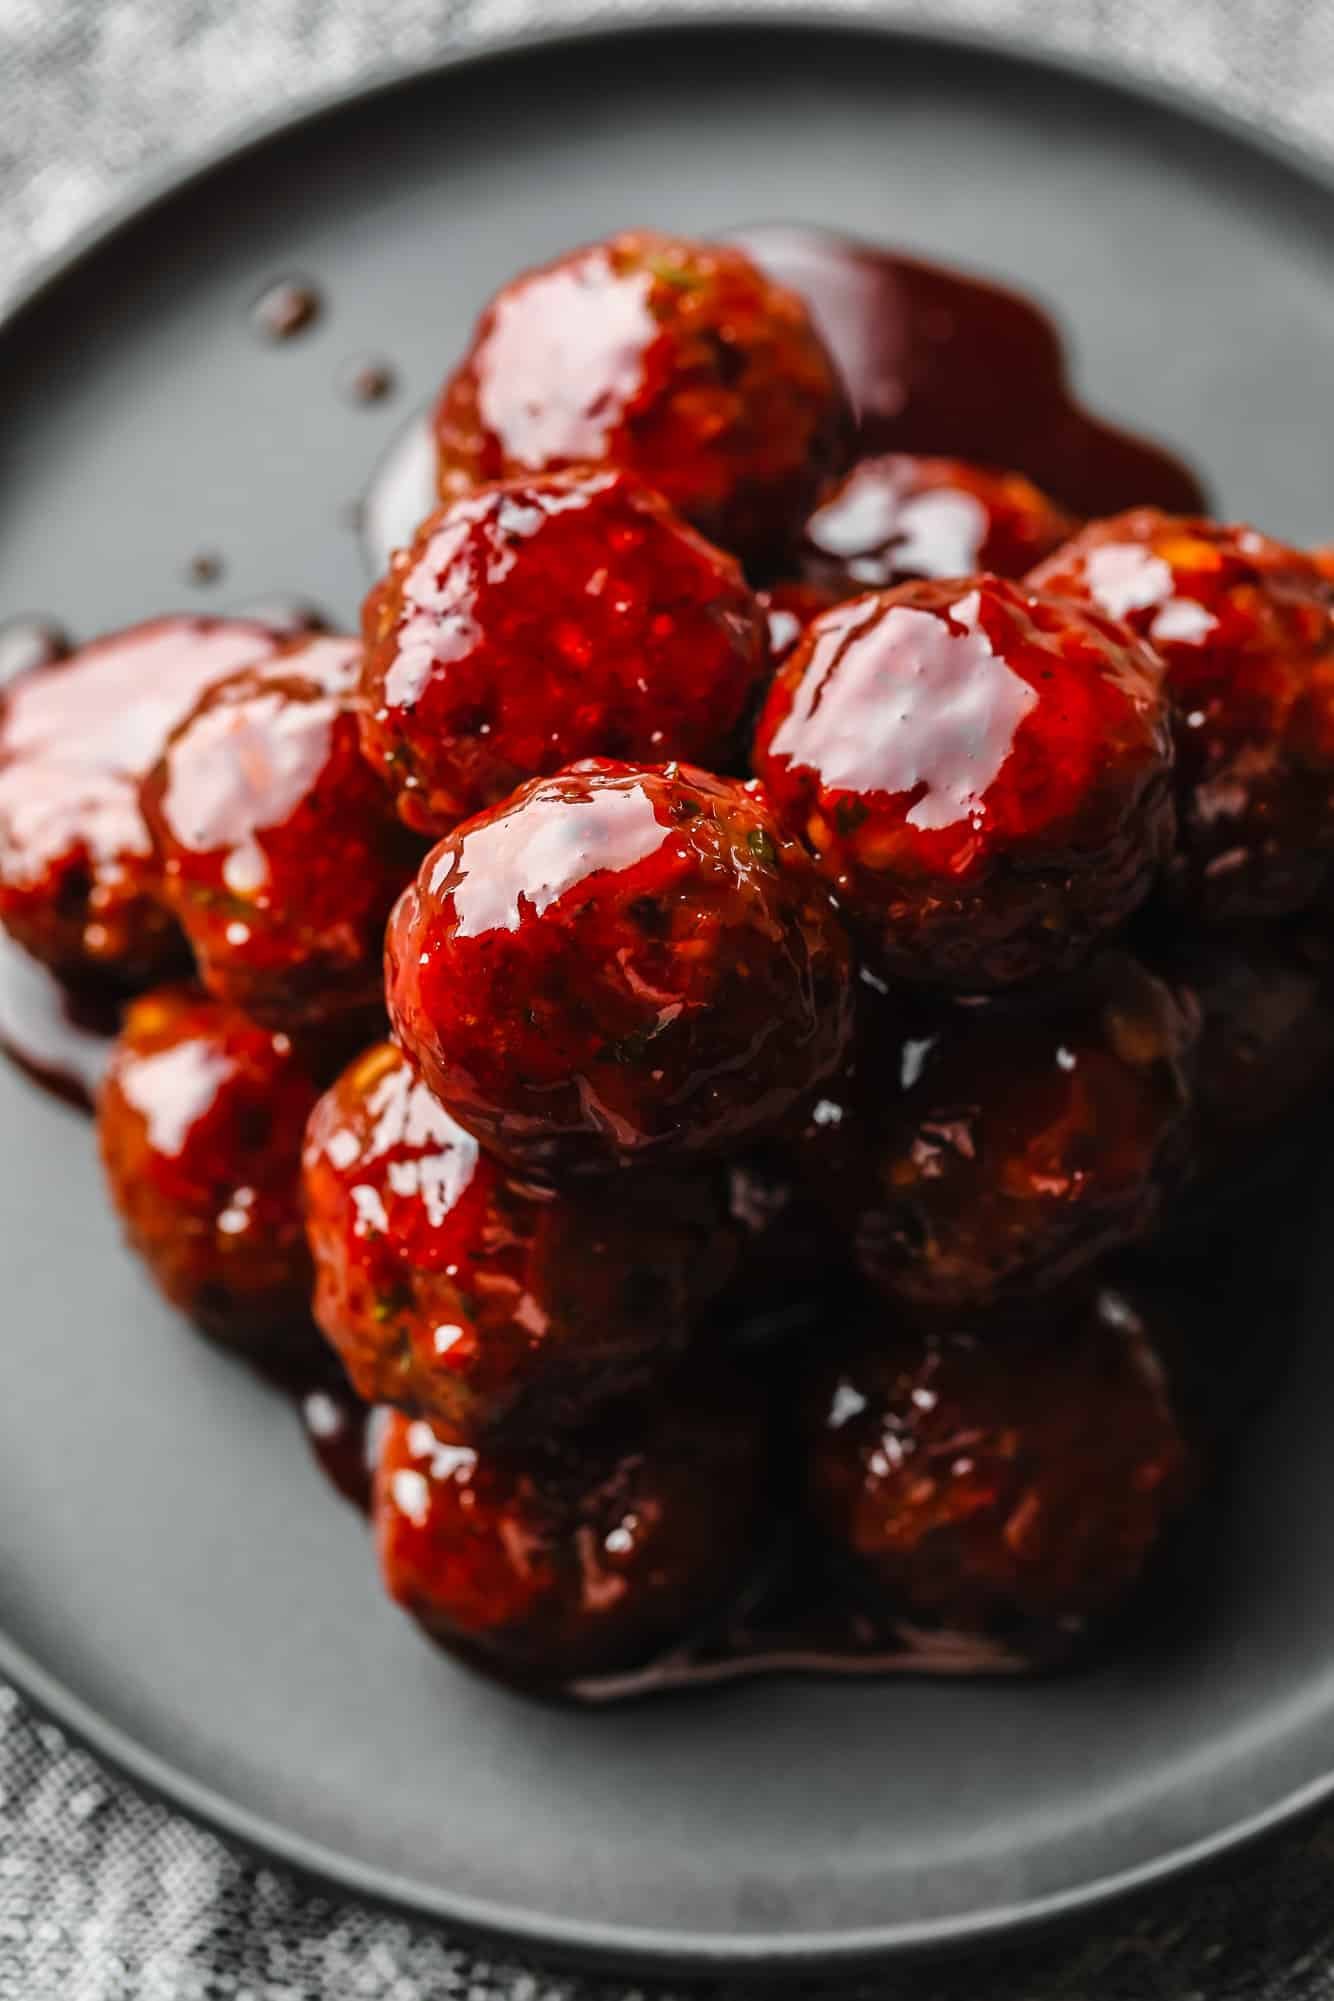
(530, 624)
(1007, 1146)
(982, 773)
(938, 362)
(588, 1554)
(456, 1292)
(619, 964)
(1245, 626)
(988, 1482)
(78, 878)
(200, 1121)
(895, 518)
(279, 853)
(678, 360)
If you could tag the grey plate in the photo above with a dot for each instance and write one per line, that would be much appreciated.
(176, 1582)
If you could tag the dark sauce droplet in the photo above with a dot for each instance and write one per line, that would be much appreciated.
(26, 643)
(204, 568)
(286, 308)
(367, 382)
(61, 1035)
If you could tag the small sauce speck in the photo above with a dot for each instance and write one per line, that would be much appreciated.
(285, 309)
(368, 381)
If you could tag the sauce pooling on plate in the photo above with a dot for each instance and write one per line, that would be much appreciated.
(939, 362)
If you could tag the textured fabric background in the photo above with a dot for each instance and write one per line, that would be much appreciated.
(104, 1896)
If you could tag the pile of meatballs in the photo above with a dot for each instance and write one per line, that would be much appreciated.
(679, 903)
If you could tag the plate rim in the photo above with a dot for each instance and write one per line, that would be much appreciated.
(604, 1945)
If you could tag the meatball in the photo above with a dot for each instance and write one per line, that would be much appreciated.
(1007, 1483)
(680, 361)
(280, 854)
(590, 1554)
(458, 1293)
(563, 616)
(898, 517)
(78, 879)
(982, 774)
(1017, 1142)
(619, 964)
(1245, 627)
(1266, 1048)
(200, 1120)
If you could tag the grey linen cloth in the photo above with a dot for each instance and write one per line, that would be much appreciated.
(104, 1895)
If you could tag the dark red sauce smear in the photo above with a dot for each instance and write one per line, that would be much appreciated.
(939, 362)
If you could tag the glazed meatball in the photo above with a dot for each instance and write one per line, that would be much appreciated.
(982, 773)
(79, 881)
(590, 1554)
(1245, 626)
(280, 854)
(677, 360)
(456, 1292)
(562, 616)
(895, 518)
(619, 964)
(1001, 1485)
(1011, 1144)
(200, 1120)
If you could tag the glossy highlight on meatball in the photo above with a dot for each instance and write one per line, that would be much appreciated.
(896, 518)
(200, 1121)
(999, 1484)
(982, 773)
(280, 854)
(561, 616)
(1245, 627)
(79, 883)
(589, 1554)
(1018, 1142)
(680, 361)
(619, 964)
(458, 1293)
